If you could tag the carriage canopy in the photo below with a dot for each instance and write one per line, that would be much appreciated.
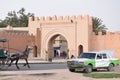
(3, 40)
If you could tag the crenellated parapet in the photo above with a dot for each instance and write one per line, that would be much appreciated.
(23, 35)
(54, 19)
(107, 34)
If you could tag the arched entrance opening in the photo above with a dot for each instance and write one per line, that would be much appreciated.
(57, 47)
(80, 49)
(35, 51)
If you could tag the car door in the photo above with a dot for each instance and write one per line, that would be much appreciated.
(98, 61)
(105, 60)
(102, 60)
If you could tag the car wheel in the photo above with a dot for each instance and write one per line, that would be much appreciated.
(72, 70)
(110, 67)
(88, 69)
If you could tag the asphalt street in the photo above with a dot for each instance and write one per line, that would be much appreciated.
(38, 67)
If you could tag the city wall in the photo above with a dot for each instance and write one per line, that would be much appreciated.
(83, 33)
(16, 41)
(110, 41)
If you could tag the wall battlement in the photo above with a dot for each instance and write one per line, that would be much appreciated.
(107, 34)
(59, 18)
(16, 34)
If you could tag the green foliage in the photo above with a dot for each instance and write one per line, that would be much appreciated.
(16, 19)
(98, 26)
(2, 23)
(103, 75)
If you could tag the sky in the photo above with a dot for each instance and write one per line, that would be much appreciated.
(107, 10)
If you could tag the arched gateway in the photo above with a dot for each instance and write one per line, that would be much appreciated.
(74, 31)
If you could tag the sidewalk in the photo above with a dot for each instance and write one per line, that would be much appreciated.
(8, 75)
(18, 72)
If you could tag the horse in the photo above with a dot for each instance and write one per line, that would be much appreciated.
(20, 55)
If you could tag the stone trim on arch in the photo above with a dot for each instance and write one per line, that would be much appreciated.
(52, 33)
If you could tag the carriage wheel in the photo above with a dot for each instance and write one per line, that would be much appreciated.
(3, 64)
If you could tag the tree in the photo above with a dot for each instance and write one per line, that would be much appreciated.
(98, 26)
(16, 19)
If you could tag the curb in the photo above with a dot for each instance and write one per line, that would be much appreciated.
(49, 63)
(43, 62)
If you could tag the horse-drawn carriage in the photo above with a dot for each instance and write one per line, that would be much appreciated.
(3, 60)
(3, 54)
(7, 59)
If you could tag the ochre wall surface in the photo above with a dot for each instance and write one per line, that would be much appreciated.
(16, 42)
(110, 41)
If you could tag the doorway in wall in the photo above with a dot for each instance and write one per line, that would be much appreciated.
(80, 49)
(57, 46)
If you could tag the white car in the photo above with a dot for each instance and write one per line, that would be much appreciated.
(89, 61)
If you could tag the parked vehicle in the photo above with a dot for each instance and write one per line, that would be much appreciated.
(89, 61)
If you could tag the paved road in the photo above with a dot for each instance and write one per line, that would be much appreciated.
(38, 67)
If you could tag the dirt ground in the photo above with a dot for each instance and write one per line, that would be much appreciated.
(62, 74)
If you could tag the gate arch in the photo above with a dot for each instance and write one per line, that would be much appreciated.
(47, 40)
(56, 46)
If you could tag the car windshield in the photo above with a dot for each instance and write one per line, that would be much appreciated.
(87, 55)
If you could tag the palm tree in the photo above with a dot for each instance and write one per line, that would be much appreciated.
(98, 26)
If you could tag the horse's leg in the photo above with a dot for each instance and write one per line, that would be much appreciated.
(11, 61)
(27, 63)
(17, 63)
(8, 59)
